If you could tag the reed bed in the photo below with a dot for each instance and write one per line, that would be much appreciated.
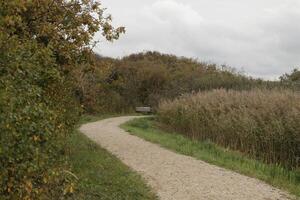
(263, 124)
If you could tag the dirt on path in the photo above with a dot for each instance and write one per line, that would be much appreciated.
(174, 176)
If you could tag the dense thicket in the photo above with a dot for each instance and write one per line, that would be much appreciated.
(118, 85)
(263, 124)
(41, 44)
(291, 80)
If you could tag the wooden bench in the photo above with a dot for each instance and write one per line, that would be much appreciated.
(145, 110)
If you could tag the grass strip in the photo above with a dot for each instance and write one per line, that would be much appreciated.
(101, 175)
(148, 129)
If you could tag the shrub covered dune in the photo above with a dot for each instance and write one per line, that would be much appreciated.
(263, 124)
(118, 85)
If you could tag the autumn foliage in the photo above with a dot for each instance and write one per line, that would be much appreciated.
(41, 43)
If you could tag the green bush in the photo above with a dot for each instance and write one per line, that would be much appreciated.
(35, 118)
(41, 43)
(263, 124)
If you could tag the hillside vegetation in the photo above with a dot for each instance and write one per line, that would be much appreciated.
(118, 85)
(263, 124)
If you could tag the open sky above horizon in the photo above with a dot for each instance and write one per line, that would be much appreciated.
(259, 38)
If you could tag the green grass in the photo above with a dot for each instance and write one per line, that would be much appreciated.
(101, 175)
(148, 129)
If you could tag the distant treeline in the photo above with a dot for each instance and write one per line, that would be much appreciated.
(118, 85)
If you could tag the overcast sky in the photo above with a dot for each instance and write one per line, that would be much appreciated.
(259, 37)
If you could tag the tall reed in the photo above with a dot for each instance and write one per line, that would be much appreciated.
(264, 124)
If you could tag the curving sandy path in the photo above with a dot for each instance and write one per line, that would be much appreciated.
(174, 176)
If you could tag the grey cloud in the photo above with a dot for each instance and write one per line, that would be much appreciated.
(260, 38)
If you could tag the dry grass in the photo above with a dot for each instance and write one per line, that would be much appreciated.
(264, 124)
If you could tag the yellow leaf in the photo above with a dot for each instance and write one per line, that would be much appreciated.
(71, 189)
(35, 138)
(45, 180)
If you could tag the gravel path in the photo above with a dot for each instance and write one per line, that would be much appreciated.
(174, 176)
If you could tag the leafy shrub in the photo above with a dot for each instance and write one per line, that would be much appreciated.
(291, 80)
(263, 124)
(35, 118)
(41, 43)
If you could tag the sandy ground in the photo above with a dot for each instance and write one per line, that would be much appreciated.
(174, 176)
